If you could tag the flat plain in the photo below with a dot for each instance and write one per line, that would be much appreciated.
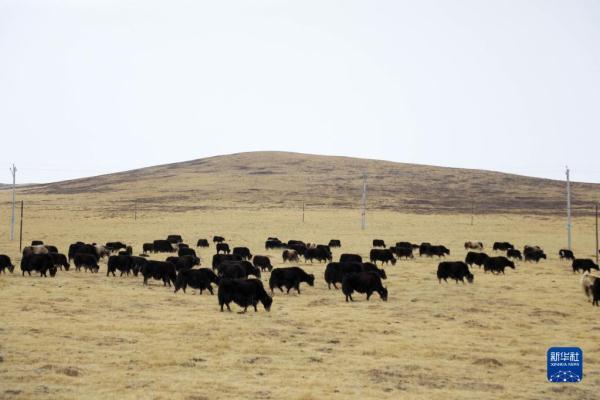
(82, 335)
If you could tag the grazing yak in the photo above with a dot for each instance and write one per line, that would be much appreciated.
(123, 263)
(202, 243)
(159, 270)
(497, 264)
(363, 282)
(201, 279)
(175, 239)
(164, 246)
(82, 248)
(237, 269)
(137, 263)
(41, 263)
(401, 251)
(335, 271)
(383, 255)
(534, 256)
(147, 248)
(218, 239)
(219, 258)
(114, 247)
(439, 250)
(583, 264)
(290, 255)
(514, 254)
(289, 277)
(335, 243)
(243, 292)
(186, 251)
(473, 245)
(87, 261)
(476, 258)
(378, 243)
(587, 284)
(298, 247)
(318, 253)
(533, 253)
(423, 248)
(223, 247)
(274, 243)
(456, 270)
(184, 262)
(430, 251)
(346, 257)
(96, 250)
(6, 264)
(325, 248)
(60, 261)
(77, 247)
(502, 246)
(262, 262)
(243, 252)
(565, 254)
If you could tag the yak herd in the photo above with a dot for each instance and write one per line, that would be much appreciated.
(236, 272)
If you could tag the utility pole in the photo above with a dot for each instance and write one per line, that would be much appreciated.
(363, 201)
(596, 233)
(13, 171)
(569, 243)
(302, 212)
(135, 211)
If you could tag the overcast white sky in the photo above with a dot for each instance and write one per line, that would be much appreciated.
(90, 87)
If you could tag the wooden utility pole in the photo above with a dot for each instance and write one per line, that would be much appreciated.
(569, 243)
(135, 211)
(597, 233)
(13, 171)
(302, 211)
(21, 229)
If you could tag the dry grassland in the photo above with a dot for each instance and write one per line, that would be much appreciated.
(91, 336)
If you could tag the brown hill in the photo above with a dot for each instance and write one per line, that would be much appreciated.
(283, 180)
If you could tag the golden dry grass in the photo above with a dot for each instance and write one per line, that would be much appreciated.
(88, 336)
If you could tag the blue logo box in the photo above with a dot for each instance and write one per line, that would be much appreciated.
(565, 364)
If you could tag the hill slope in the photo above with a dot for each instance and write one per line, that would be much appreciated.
(281, 179)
